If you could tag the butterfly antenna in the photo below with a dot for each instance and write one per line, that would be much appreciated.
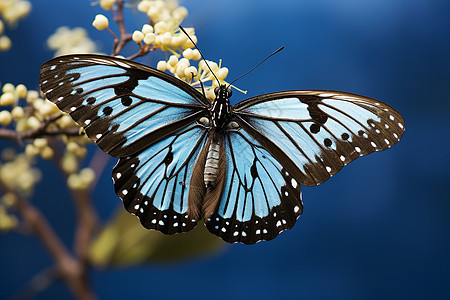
(275, 52)
(182, 29)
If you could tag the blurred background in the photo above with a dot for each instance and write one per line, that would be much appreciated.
(377, 230)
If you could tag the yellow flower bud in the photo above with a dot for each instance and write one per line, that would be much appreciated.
(173, 60)
(17, 113)
(47, 152)
(100, 22)
(2, 27)
(66, 121)
(147, 28)
(222, 73)
(180, 13)
(162, 65)
(184, 61)
(107, 4)
(143, 6)
(189, 71)
(69, 163)
(31, 150)
(5, 118)
(21, 91)
(149, 38)
(161, 27)
(87, 175)
(9, 199)
(137, 36)
(8, 88)
(31, 96)
(33, 122)
(7, 99)
(81, 152)
(188, 53)
(40, 143)
(74, 182)
(196, 54)
(5, 43)
(181, 67)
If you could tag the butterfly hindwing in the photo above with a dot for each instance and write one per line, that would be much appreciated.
(319, 132)
(123, 106)
(154, 184)
(260, 198)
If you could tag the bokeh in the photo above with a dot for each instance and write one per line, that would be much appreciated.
(377, 230)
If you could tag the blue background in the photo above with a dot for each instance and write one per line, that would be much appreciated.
(379, 229)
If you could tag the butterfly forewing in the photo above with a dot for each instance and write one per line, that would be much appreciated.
(260, 198)
(319, 131)
(123, 106)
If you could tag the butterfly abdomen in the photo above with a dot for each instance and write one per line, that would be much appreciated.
(212, 164)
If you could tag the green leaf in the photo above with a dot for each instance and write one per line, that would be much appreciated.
(123, 241)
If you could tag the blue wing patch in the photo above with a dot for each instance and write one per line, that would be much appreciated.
(123, 106)
(154, 184)
(260, 199)
(319, 131)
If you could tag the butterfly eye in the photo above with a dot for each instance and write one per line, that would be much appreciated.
(216, 91)
(229, 93)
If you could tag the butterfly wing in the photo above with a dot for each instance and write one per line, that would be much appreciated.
(123, 106)
(260, 199)
(287, 139)
(154, 184)
(145, 117)
(313, 134)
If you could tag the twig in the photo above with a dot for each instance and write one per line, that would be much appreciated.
(68, 267)
(42, 130)
(124, 37)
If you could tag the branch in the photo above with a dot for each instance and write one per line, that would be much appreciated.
(124, 37)
(42, 130)
(68, 267)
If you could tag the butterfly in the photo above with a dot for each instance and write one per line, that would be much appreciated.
(183, 159)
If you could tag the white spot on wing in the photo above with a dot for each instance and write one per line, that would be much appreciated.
(296, 209)
(358, 149)
(294, 183)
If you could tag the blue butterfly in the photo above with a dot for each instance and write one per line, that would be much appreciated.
(184, 159)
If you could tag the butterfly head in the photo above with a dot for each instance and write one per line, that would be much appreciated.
(222, 91)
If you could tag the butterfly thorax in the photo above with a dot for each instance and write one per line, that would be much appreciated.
(221, 108)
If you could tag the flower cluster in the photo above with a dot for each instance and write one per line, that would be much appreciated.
(163, 33)
(11, 11)
(8, 221)
(71, 41)
(28, 113)
(17, 173)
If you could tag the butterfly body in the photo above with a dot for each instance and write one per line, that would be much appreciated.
(183, 159)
